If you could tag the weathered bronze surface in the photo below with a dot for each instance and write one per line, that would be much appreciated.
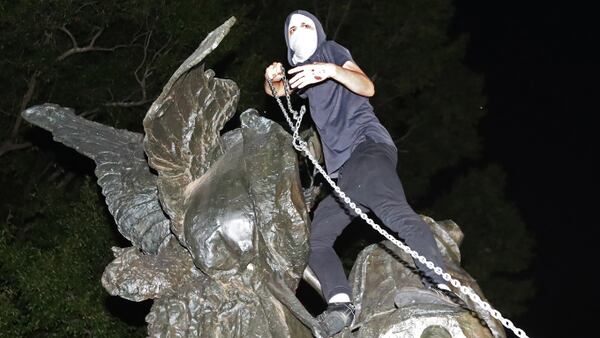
(219, 229)
(383, 276)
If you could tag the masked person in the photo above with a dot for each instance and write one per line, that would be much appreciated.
(358, 151)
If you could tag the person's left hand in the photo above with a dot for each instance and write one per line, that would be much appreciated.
(312, 73)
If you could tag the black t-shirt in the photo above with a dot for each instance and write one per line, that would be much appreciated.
(342, 117)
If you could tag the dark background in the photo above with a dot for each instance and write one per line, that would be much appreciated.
(541, 82)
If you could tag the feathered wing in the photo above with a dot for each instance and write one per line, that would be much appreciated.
(123, 173)
(182, 126)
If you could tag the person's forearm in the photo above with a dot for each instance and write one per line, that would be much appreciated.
(355, 81)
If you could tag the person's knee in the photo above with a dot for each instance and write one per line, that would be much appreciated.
(386, 206)
(321, 242)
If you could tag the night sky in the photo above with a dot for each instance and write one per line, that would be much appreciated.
(540, 81)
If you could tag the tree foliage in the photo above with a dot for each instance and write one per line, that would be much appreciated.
(55, 231)
(51, 270)
(497, 248)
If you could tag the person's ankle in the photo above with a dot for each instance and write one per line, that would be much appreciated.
(434, 282)
(443, 286)
(339, 298)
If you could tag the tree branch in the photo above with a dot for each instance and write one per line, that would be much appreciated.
(64, 29)
(344, 15)
(141, 79)
(31, 84)
(9, 146)
(316, 8)
(89, 48)
(329, 9)
(89, 113)
(128, 104)
(147, 72)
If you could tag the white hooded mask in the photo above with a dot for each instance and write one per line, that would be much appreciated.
(304, 40)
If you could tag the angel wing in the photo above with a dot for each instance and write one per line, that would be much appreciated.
(183, 126)
(123, 173)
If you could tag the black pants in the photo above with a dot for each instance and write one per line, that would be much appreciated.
(370, 179)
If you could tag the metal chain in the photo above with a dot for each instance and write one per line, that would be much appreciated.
(301, 146)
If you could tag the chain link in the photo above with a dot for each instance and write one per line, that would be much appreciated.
(301, 146)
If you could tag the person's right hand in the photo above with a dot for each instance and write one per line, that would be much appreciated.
(274, 72)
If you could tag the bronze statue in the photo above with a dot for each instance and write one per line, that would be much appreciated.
(219, 223)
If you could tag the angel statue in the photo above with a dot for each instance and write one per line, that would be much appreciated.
(219, 223)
